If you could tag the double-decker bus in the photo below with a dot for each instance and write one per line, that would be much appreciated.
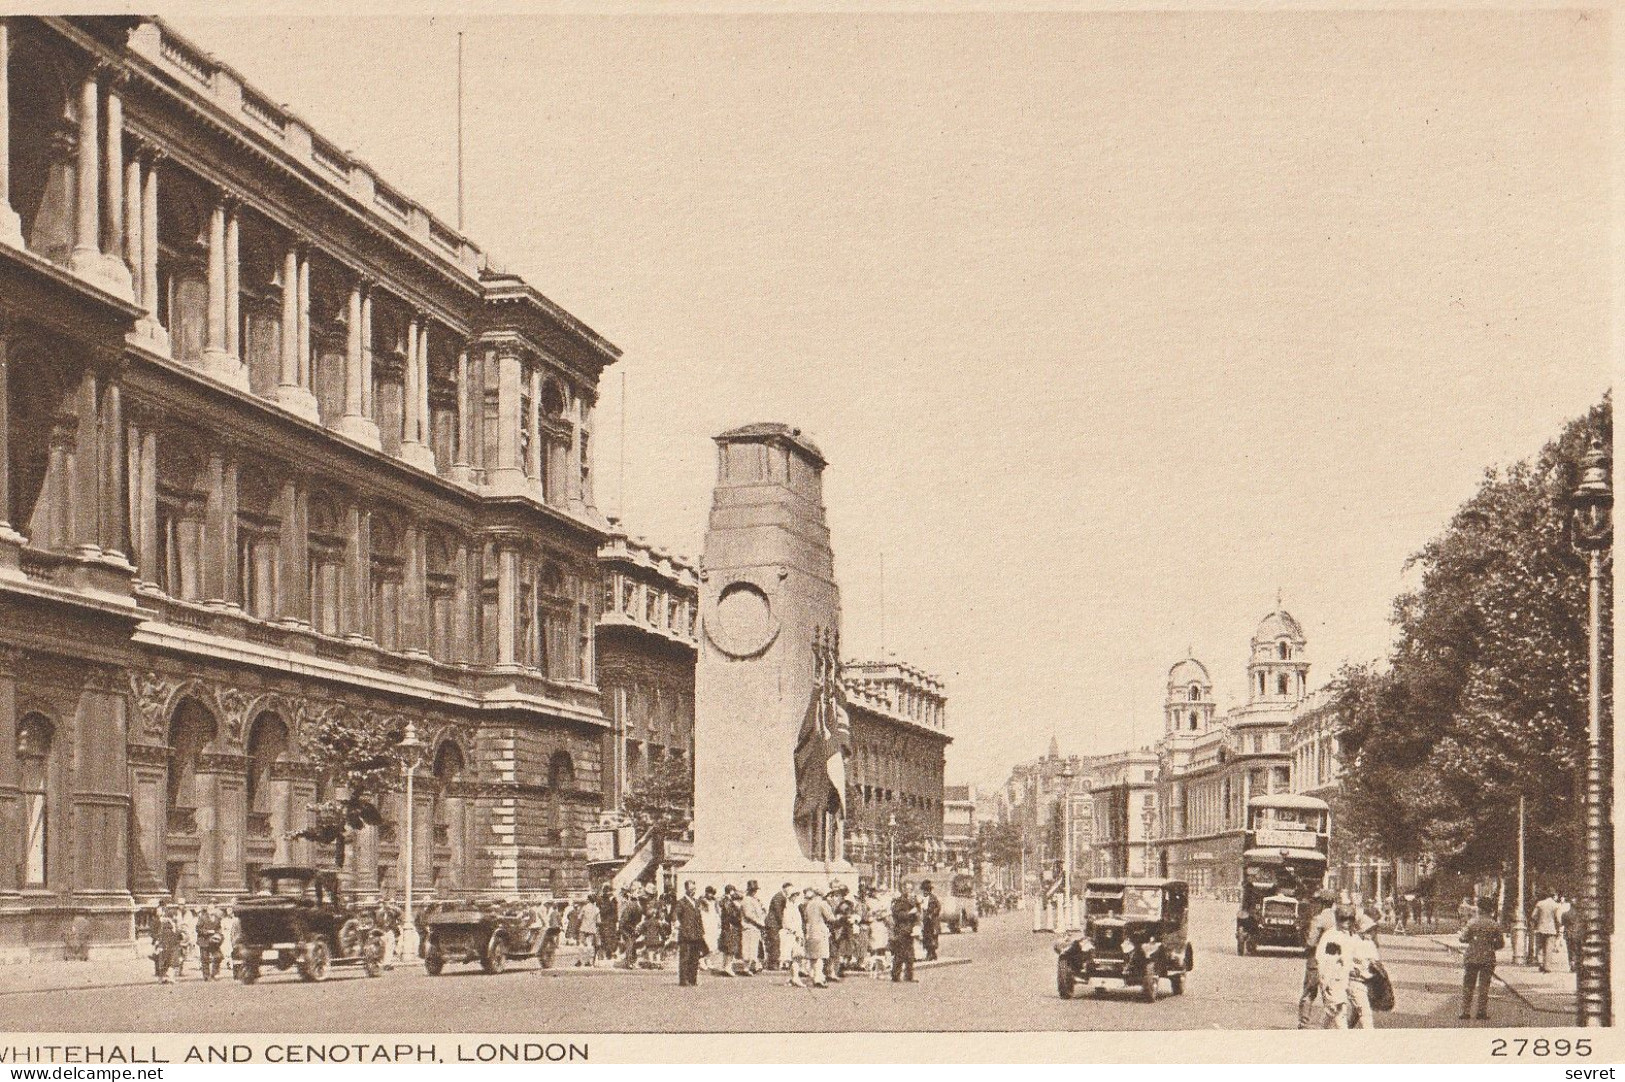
(1286, 844)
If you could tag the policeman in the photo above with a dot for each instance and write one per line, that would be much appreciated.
(905, 914)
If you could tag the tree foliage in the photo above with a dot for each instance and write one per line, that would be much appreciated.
(359, 759)
(663, 799)
(1484, 697)
(1000, 845)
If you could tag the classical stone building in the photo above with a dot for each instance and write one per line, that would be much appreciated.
(959, 825)
(1050, 801)
(1212, 763)
(899, 718)
(1123, 790)
(646, 649)
(279, 450)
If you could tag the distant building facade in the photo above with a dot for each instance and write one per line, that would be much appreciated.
(1124, 796)
(899, 740)
(646, 650)
(1212, 763)
(1050, 801)
(959, 826)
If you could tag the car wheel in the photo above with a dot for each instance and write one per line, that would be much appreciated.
(434, 962)
(495, 959)
(1176, 981)
(1065, 980)
(317, 955)
(248, 973)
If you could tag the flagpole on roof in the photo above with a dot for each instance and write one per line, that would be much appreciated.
(460, 226)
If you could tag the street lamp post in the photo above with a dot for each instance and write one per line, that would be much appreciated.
(1593, 526)
(1520, 917)
(410, 749)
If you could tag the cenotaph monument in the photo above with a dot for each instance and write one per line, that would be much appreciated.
(770, 734)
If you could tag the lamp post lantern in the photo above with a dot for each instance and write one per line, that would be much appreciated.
(410, 750)
(1593, 534)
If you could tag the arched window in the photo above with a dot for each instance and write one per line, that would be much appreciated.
(1281, 684)
(34, 739)
(267, 746)
(387, 572)
(448, 815)
(1196, 693)
(1286, 651)
(259, 541)
(190, 731)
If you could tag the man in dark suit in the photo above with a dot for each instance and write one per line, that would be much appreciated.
(905, 914)
(690, 937)
(930, 920)
(775, 922)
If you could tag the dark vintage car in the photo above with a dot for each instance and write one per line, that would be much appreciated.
(299, 916)
(491, 933)
(1277, 892)
(1135, 931)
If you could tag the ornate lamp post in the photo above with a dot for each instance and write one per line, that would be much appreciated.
(410, 749)
(1593, 526)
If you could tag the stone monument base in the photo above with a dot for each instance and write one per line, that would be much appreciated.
(769, 875)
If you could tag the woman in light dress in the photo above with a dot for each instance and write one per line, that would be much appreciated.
(711, 921)
(793, 941)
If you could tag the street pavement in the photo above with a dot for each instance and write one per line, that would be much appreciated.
(1007, 984)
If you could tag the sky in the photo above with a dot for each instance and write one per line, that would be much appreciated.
(1111, 326)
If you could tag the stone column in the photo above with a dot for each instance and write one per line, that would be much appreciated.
(535, 457)
(86, 259)
(425, 418)
(115, 537)
(358, 579)
(461, 632)
(506, 475)
(234, 284)
(480, 363)
(218, 360)
(84, 483)
(583, 463)
(293, 387)
(302, 322)
(415, 623)
(11, 227)
(293, 600)
(113, 168)
(356, 424)
(461, 469)
(131, 250)
(8, 534)
(507, 604)
(416, 397)
(148, 327)
(369, 407)
(142, 452)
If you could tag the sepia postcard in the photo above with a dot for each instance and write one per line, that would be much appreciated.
(807, 533)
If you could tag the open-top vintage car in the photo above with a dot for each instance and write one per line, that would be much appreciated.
(299, 916)
(1135, 931)
(491, 933)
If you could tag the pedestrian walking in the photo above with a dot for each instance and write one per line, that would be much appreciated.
(209, 938)
(1483, 937)
(930, 920)
(905, 915)
(1569, 929)
(731, 933)
(690, 937)
(754, 915)
(864, 940)
(609, 924)
(1334, 955)
(711, 919)
(775, 922)
(1546, 929)
(817, 917)
(1324, 921)
(631, 918)
(588, 929)
(168, 944)
(1364, 960)
(792, 938)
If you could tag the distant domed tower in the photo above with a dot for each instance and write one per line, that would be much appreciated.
(1190, 706)
(1279, 669)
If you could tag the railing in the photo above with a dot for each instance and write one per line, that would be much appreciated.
(181, 821)
(188, 60)
(391, 202)
(329, 157)
(44, 566)
(260, 110)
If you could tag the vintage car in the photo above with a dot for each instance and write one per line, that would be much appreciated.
(1277, 892)
(491, 933)
(959, 909)
(1135, 931)
(299, 916)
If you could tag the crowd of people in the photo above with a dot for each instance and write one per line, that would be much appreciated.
(180, 932)
(812, 935)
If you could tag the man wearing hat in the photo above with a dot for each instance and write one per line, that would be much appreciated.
(755, 917)
(690, 937)
(930, 920)
(775, 925)
(1325, 921)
